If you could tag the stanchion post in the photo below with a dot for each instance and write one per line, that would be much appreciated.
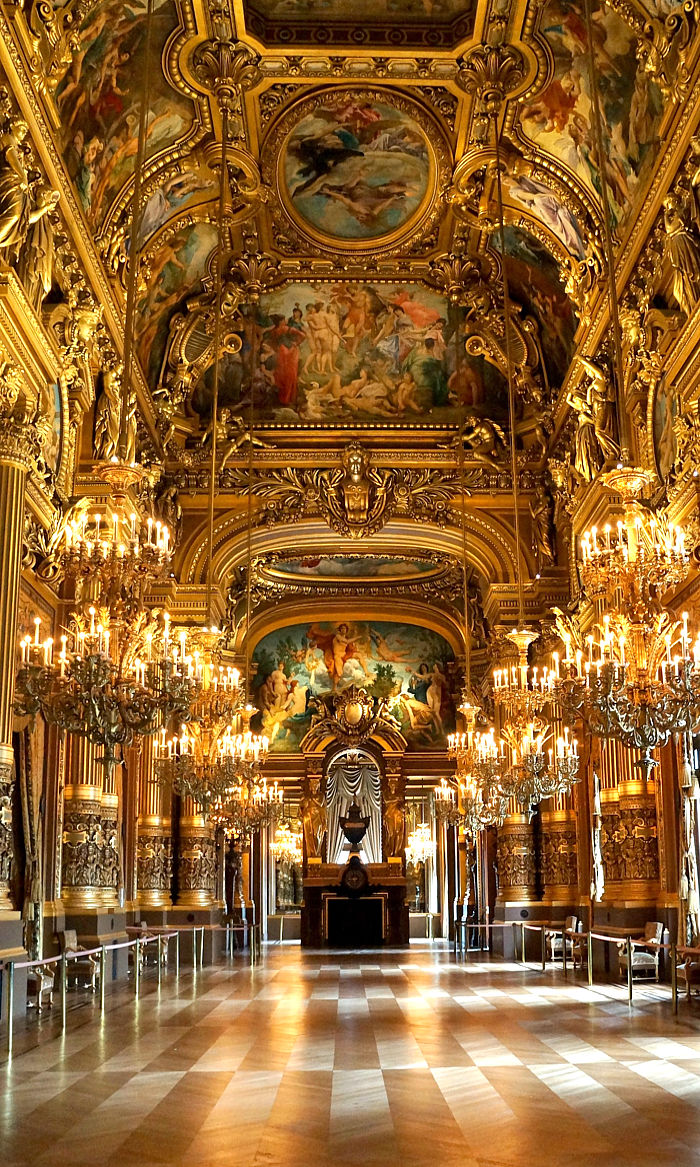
(590, 958)
(629, 970)
(201, 948)
(522, 942)
(103, 969)
(544, 947)
(64, 989)
(11, 1004)
(137, 966)
(515, 945)
(564, 943)
(674, 979)
(177, 955)
(194, 947)
(159, 958)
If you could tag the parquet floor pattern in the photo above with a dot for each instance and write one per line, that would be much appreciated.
(390, 1059)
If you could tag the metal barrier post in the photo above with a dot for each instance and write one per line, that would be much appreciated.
(629, 970)
(11, 1004)
(515, 946)
(522, 941)
(64, 989)
(103, 966)
(177, 955)
(590, 958)
(159, 958)
(544, 948)
(201, 949)
(194, 947)
(137, 966)
(465, 938)
(674, 979)
(488, 929)
(563, 950)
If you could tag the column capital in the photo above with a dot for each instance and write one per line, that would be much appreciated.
(19, 443)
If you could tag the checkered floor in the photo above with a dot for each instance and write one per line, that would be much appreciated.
(393, 1058)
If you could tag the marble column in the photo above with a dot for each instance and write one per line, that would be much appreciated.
(196, 871)
(17, 449)
(154, 850)
(559, 854)
(629, 831)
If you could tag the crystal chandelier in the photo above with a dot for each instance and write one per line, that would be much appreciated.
(248, 806)
(286, 847)
(536, 770)
(420, 845)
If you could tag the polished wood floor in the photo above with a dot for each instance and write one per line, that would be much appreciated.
(399, 1058)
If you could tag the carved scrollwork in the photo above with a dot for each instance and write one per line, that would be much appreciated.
(197, 865)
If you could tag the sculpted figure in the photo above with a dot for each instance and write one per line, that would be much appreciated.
(356, 486)
(20, 206)
(542, 529)
(394, 818)
(594, 443)
(108, 415)
(484, 440)
(314, 818)
(683, 253)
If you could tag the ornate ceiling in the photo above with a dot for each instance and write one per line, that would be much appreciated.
(362, 301)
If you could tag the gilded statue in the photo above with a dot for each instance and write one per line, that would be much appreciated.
(682, 250)
(541, 508)
(128, 426)
(484, 440)
(394, 818)
(22, 202)
(315, 819)
(593, 405)
(231, 434)
(695, 181)
(108, 414)
(358, 497)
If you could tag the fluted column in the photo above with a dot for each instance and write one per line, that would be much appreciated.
(17, 446)
(196, 870)
(154, 850)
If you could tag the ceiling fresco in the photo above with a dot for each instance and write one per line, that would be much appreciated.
(353, 568)
(558, 118)
(350, 352)
(355, 168)
(99, 103)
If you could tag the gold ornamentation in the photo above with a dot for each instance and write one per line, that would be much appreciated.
(23, 201)
(490, 73)
(682, 250)
(314, 819)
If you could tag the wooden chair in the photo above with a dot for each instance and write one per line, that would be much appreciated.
(40, 986)
(645, 961)
(689, 970)
(556, 942)
(79, 966)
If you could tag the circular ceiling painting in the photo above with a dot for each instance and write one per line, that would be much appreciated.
(357, 167)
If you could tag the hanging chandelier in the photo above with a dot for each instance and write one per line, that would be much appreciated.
(108, 683)
(248, 806)
(634, 677)
(286, 847)
(420, 845)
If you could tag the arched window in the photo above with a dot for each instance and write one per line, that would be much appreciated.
(354, 774)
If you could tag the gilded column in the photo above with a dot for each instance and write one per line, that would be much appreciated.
(558, 852)
(515, 859)
(18, 446)
(154, 849)
(82, 856)
(196, 870)
(629, 829)
(110, 849)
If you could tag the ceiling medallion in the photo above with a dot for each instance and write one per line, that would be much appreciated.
(351, 716)
(357, 169)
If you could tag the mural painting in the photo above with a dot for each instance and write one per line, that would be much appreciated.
(177, 192)
(412, 666)
(355, 168)
(344, 353)
(339, 567)
(545, 205)
(425, 11)
(559, 118)
(534, 280)
(176, 267)
(99, 103)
